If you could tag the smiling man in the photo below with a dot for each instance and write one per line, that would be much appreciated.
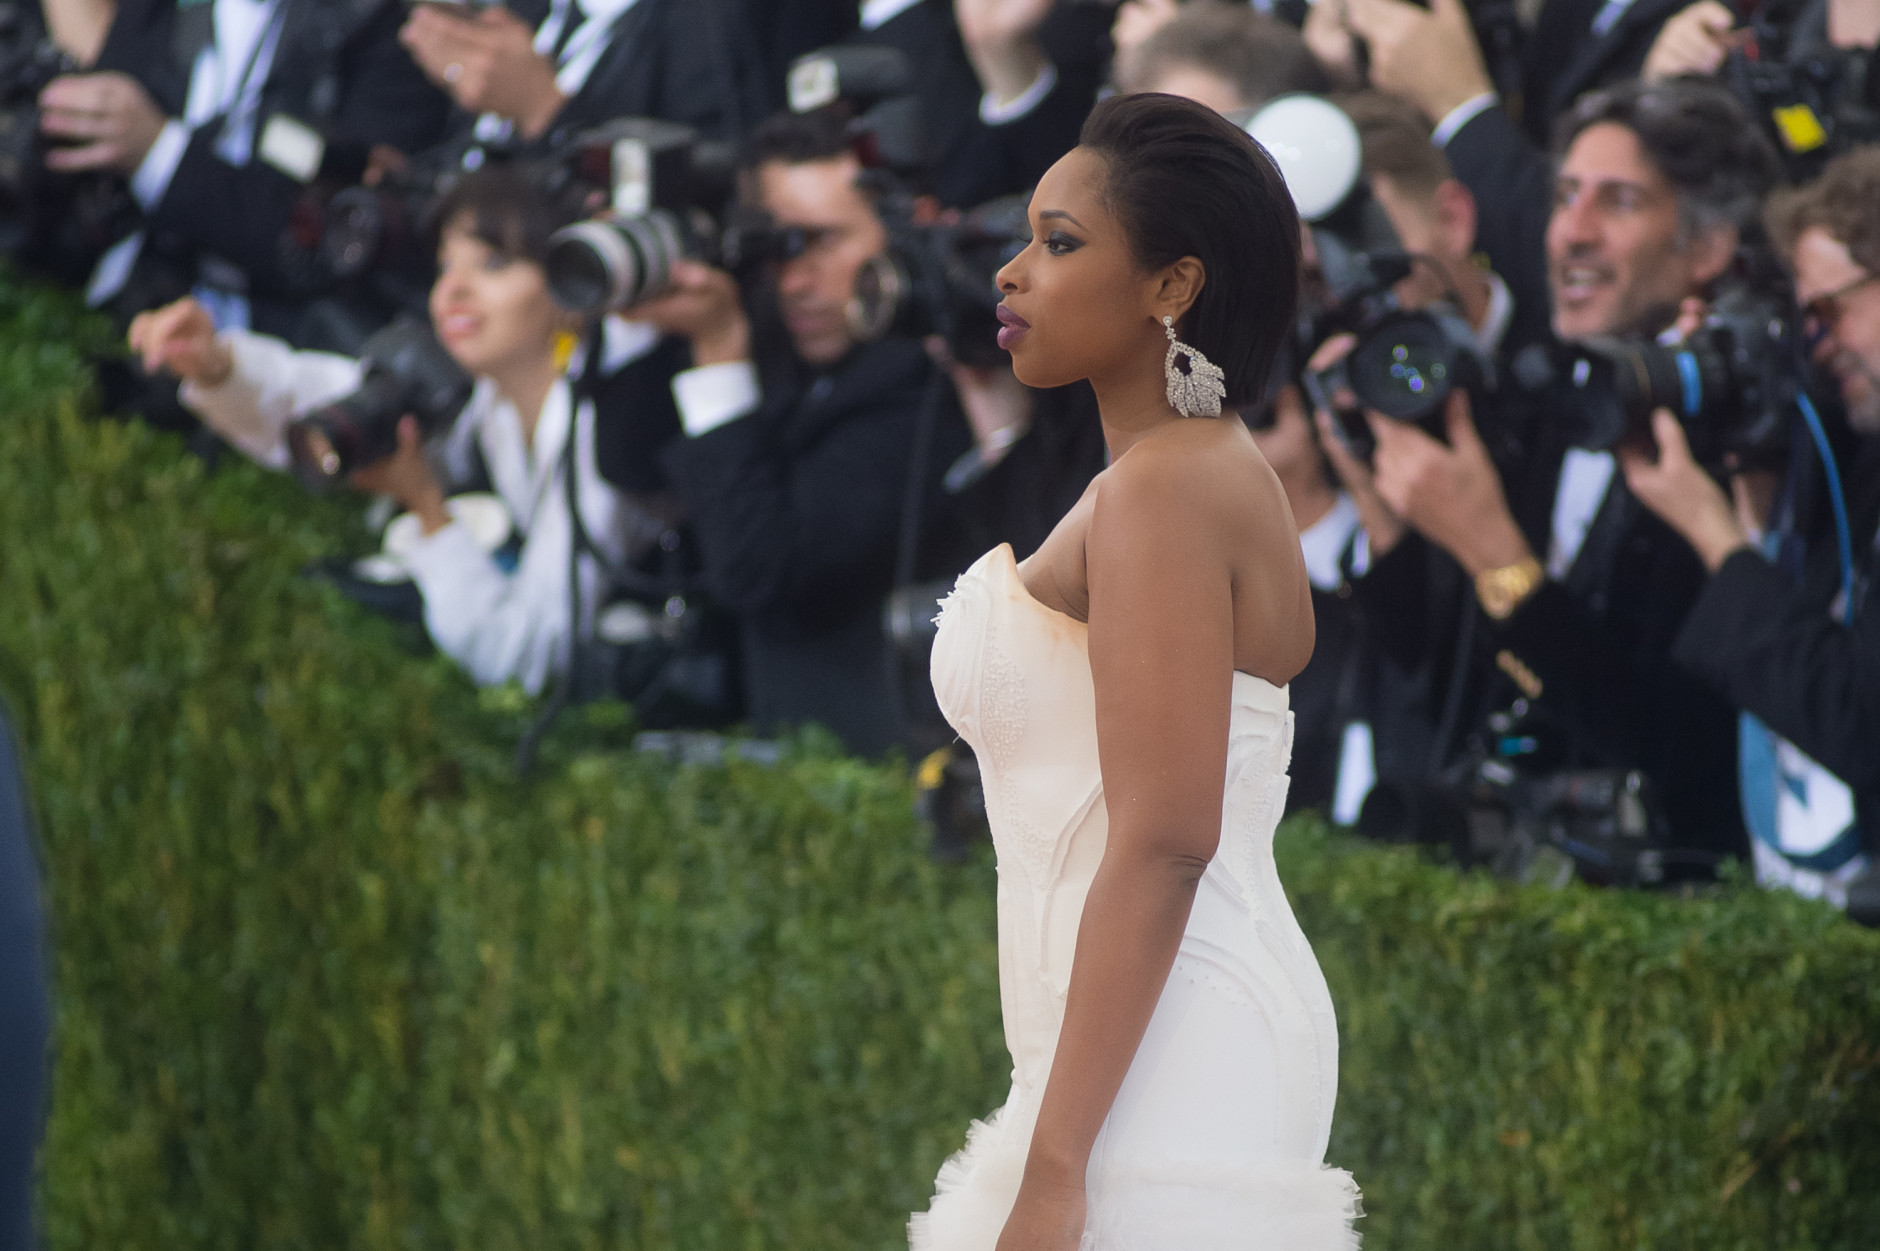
(1795, 641)
(1581, 590)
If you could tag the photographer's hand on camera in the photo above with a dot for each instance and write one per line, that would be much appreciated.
(98, 122)
(180, 338)
(1427, 56)
(704, 306)
(488, 64)
(1673, 485)
(1383, 528)
(406, 476)
(1451, 493)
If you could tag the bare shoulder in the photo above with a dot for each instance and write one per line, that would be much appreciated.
(1200, 478)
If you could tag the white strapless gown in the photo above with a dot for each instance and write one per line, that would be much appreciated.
(1217, 1138)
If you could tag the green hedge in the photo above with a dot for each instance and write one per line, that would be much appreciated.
(328, 976)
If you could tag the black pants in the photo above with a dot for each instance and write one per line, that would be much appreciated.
(24, 1006)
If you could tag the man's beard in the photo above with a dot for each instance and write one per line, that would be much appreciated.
(1862, 415)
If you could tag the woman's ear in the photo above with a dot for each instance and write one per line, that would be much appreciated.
(1178, 287)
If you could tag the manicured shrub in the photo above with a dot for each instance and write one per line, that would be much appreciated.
(329, 975)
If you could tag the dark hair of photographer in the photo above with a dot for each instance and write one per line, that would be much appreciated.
(1228, 57)
(504, 210)
(1694, 132)
(1234, 215)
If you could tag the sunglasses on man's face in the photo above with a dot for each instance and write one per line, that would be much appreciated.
(1823, 313)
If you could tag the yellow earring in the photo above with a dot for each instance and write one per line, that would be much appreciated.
(566, 341)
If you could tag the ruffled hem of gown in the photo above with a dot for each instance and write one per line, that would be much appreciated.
(1144, 1205)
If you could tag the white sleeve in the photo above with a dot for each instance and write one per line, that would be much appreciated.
(269, 385)
(709, 396)
(995, 112)
(1461, 116)
(513, 626)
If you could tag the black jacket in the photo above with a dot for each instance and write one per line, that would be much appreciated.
(1598, 641)
(1565, 56)
(1766, 641)
(689, 61)
(798, 509)
(338, 69)
(1512, 179)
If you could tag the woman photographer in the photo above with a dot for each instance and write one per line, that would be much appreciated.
(491, 310)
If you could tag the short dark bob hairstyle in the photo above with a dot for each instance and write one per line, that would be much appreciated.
(503, 209)
(1185, 181)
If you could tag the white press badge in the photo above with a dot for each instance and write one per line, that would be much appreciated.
(293, 147)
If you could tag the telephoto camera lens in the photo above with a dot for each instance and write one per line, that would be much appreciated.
(614, 261)
(407, 371)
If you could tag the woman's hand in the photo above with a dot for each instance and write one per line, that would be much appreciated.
(180, 337)
(1048, 1216)
(406, 476)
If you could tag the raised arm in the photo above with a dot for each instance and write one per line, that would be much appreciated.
(1162, 657)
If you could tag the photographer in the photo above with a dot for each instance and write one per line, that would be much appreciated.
(1787, 639)
(491, 311)
(795, 469)
(1581, 590)
(219, 115)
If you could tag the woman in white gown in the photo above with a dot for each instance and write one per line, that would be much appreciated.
(1173, 1046)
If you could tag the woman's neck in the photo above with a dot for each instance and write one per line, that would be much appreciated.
(527, 387)
(1133, 401)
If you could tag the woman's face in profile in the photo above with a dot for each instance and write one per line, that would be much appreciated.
(1076, 303)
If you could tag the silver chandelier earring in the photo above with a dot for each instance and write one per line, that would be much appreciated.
(1198, 392)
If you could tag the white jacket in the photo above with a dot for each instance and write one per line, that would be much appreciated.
(499, 626)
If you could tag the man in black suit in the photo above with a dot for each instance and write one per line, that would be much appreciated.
(799, 450)
(1791, 639)
(218, 115)
(1580, 591)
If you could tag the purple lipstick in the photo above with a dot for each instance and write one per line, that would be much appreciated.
(1012, 327)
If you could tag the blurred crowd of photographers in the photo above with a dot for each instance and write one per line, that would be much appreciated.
(666, 329)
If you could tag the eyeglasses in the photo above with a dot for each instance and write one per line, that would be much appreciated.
(1823, 313)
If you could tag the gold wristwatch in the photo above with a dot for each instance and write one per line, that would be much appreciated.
(1505, 589)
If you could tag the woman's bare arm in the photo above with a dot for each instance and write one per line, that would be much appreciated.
(1162, 656)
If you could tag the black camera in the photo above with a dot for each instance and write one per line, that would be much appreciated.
(1731, 384)
(938, 278)
(670, 194)
(875, 88)
(1814, 106)
(407, 371)
(1514, 805)
(1405, 362)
